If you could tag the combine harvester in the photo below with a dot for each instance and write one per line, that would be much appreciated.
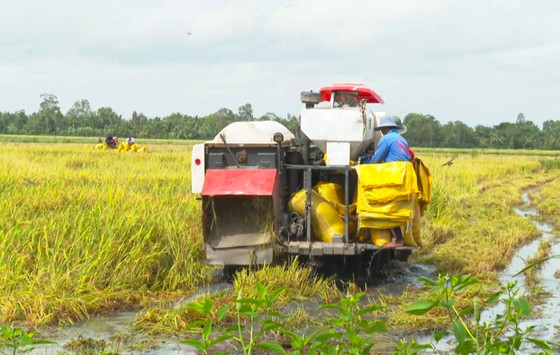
(268, 194)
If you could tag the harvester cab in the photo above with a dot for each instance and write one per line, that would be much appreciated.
(268, 194)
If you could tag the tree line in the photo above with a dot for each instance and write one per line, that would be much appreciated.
(423, 130)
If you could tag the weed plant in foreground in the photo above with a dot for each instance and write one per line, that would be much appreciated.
(298, 283)
(352, 328)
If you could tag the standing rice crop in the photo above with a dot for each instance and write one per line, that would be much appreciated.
(90, 231)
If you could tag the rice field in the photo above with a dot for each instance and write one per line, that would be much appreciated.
(85, 232)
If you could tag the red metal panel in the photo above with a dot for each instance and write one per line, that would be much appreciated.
(364, 92)
(249, 182)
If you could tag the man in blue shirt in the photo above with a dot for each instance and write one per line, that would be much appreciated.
(392, 147)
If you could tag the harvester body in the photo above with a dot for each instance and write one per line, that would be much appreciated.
(249, 175)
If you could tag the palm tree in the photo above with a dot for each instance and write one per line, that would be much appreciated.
(496, 139)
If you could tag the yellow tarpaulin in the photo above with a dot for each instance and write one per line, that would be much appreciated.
(386, 194)
(424, 184)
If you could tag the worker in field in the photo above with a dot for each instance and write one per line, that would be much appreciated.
(130, 140)
(392, 147)
(111, 141)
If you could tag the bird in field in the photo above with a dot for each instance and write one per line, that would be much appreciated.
(29, 182)
(450, 161)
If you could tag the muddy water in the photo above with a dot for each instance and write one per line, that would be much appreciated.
(399, 276)
(546, 313)
(109, 328)
(106, 329)
(116, 331)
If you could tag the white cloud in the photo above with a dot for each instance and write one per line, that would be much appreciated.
(478, 61)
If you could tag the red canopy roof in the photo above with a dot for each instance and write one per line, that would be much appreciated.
(364, 92)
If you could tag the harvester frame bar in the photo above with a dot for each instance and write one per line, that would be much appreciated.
(322, 248)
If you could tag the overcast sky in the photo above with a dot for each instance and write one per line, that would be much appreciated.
(480, 62)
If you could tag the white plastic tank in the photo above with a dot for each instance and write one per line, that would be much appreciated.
(326, 126)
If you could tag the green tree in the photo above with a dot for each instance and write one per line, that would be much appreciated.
(78, 117)
(290, 122)
(423, 130)
(179, 126)
(107, 121)
(483, 136)
(246, 112)
(50, 113)
(551, 135)
(13, 123)
(458, 135)
(214, 123)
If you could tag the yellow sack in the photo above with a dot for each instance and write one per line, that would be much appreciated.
(424, 183)
(123, 147)
(416, 222)
(330, 191)
(380, 237)
(334, 194)
(325, 220)
(408, 237)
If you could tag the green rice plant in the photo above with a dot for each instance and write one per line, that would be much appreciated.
(350, 330)
(504, 335)
(254, 319)
(18, 340)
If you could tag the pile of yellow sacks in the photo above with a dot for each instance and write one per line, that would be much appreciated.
(388, 195)
(325, 219)
(125, 147)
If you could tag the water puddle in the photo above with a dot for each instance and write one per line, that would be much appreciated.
(546, 311)
(116, 330)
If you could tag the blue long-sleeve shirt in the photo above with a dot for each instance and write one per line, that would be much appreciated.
(392, 147)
